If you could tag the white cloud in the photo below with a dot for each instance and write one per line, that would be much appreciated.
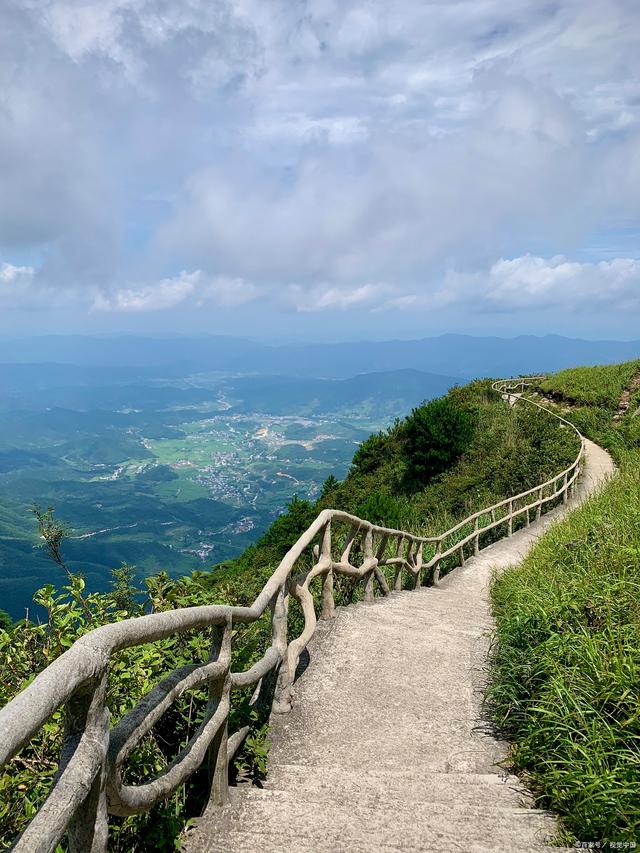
(327, 297)
(152, 297)
(228, 291)
(193, 287)
(301, 151)
(530, 282)
(11, 276)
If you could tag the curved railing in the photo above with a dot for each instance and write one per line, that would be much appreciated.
(89, 783)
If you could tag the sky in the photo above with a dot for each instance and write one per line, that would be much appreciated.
(320, 169)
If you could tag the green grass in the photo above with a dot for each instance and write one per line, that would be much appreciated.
(566, 680)
(596, 386)
(566, 677)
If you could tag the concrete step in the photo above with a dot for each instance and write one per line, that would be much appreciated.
(465, 815)
(482, 789)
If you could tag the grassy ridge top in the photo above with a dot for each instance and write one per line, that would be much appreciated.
(596, 386)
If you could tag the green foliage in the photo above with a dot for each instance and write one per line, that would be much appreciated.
(593, 386)
(370, 454)
(52, 533)
(435, 435)
(382, 509)
(328, 486)
(566, 683)
(123, 589)
(6, 622)
(600, 420)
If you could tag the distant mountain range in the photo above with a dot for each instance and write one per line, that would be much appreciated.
(461, 356)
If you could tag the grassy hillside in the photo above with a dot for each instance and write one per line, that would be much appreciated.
(447, 458)
(566, 680)
(593, 386)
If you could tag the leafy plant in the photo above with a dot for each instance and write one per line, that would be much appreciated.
(435, 435)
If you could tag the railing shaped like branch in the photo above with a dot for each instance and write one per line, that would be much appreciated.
(89, 784)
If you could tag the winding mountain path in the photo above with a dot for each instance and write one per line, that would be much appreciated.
(386, 748)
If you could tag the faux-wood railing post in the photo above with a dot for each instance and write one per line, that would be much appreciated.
(565, 489)
(279, 634)
(368, 578)
(510, 531)
(369, 597)
(217, 754)
(328, 609)
(436, 565)
(397, 585)
(418, 566)
(476, 541)
(539, 507)
(85, 713)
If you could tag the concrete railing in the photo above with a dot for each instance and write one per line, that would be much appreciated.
(89, 784)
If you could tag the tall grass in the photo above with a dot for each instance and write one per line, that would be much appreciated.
(594, 386)
(566, 676)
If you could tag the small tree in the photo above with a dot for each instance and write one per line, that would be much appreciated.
(123, 588)
(370, 454)
(381, 508)
(6, 622)
(435, 436)
(328, 486)
(52, 533)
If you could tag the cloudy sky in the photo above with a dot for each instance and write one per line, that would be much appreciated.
(320, 169)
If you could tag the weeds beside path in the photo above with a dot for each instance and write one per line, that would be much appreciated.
(566, 683)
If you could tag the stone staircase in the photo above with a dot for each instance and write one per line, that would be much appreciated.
(387, 747)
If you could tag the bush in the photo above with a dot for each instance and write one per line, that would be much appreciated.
(435, 435)
(380, 508)
(6, 622)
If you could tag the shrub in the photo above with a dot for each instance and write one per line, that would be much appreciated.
(435, 435)
(383, 509)
(6, 622)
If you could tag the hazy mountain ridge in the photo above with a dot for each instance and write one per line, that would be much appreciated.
(450, 354)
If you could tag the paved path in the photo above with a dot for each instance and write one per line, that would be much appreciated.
(386, 748)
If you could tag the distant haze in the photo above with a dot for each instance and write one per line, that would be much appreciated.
(451, 356)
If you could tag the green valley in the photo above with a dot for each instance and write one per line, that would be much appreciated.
(170, 473)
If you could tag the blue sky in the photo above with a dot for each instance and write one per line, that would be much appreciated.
(320, 169)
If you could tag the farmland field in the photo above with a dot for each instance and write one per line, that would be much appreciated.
(168, 475)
